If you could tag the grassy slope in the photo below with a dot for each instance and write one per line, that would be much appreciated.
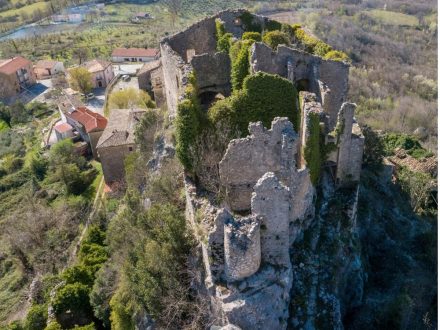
(28, 10)
(392, 18)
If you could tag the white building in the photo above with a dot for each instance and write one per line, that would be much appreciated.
(134, 54)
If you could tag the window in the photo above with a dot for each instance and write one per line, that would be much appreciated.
(130, 148)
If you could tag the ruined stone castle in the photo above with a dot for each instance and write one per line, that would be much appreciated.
(245, 241)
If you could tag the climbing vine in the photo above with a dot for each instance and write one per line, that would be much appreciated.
(312, 153)
(240, 63)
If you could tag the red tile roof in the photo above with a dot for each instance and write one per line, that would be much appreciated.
(10, 66)
(91, 121)
(44, 64)
(135, 52)
(62, 128)
(96, 65)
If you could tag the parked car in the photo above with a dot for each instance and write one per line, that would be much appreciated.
(126, 77)
(90, 96)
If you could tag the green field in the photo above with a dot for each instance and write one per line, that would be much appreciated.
(392, 18)
(26, 10)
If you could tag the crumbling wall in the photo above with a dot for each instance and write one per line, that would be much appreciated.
(199, 37)
(175, 77)
(335, 76)
(247, 160)
(270, 202)
(328, 80)
(351, 145)
(213, 72)
(242, 247)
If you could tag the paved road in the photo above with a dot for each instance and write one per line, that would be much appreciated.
(97, 104)
(133, 82)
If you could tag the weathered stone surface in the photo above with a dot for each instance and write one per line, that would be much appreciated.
(351, 146)
(216, 70)
(242, 247)
(246, 160)
(270, 201)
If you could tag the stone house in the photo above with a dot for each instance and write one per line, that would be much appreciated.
(102, 72)
(144, 75)
(90, 125)
(46, 69)
(16, 75)
(134, 54)
(117, 141)
(63, 131)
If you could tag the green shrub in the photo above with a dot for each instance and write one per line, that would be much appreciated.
(95, 235)
(240, 64)
(78, 274)
(308, 41)
(275, 38)
(321, 49)
(91, 254)
(73, 297)
(38, 166)
(255, 36)
(90, 326)
(219, 29)
(336, 55)
(224, 42)
(54, 325)
(36, 318)
(373, 148)
(312, 153)
(288, 29)
(410, 144)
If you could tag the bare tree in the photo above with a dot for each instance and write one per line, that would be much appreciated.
(174, 7)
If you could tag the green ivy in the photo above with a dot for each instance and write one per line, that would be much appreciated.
(224, 43)
(240, 64)
(312, 153)
(263, 97)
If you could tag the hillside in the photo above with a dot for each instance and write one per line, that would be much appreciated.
(285, 175)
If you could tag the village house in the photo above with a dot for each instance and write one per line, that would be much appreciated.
(46, 69)
(117, 142)
(134, 54)
(90, 125)
(141, 16)
(102, 72)
(144, 75)
(16, 75)
(63, 131)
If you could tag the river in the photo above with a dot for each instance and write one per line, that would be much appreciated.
(34, 30)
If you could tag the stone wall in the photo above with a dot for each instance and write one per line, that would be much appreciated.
(175, 77)
(328, 79)
(242, 247)
(112, 160)
(213, 72)
(247, 160)
(270, 202)
(351, 146)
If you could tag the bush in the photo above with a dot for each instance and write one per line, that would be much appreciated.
(54, 325)
(72, 297)
(272, 25)
(275, 38)
(91, 254)
(255, 36)
(78, 274)
(321, 49)
(38, 166)
(336, 55)
(36, 318)
(410, 144)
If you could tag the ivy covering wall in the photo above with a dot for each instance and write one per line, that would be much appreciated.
(312, 153)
